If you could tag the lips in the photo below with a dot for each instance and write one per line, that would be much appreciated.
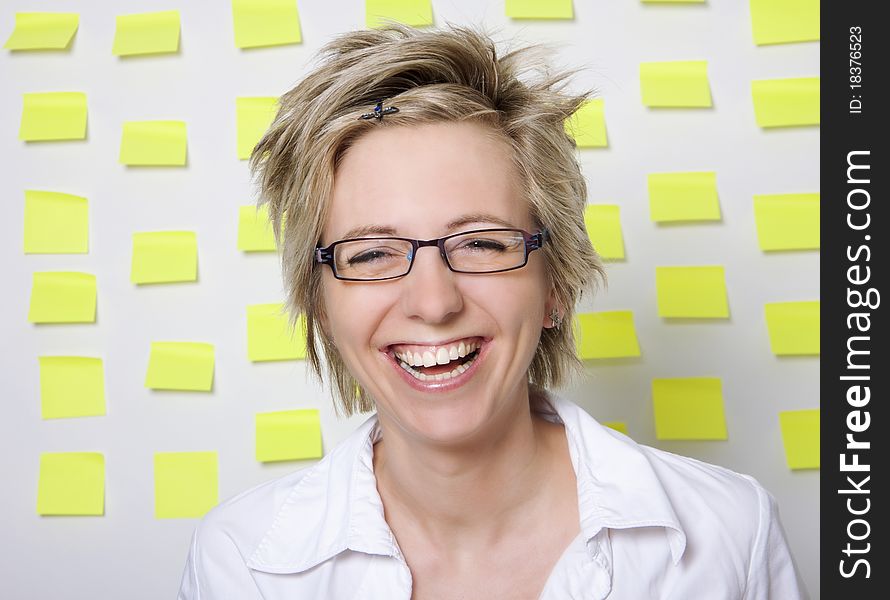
(438, 376)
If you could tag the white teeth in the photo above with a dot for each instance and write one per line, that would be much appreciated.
(441, 376)
(442, 357)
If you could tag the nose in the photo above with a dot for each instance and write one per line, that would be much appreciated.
(431, 292)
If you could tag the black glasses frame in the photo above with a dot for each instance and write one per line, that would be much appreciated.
(533, 241)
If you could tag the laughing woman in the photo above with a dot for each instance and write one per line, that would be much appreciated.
(433, 240)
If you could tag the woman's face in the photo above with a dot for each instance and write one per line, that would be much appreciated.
(413, 182)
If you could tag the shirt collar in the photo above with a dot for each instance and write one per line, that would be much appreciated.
(335, 506)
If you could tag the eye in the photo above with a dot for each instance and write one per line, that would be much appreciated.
(368, 256)
(482, 244)
(373, 254)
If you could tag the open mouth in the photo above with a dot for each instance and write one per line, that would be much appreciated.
(430, 364)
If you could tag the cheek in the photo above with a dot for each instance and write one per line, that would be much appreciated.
(518, 305)
(353, 313)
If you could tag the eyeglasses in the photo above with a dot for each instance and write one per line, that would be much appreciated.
(477, 251)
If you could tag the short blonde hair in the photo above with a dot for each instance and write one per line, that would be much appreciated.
(446, 75)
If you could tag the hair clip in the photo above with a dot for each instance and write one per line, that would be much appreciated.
(379, 112)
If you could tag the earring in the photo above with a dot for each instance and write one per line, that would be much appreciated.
(555, 318)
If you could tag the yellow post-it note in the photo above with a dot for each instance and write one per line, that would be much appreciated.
(695, 292)
(255, 229)
(62, 297)
(676, 84)
(71, 483)
(269, 337)
(42, 31)
(54, 116)
(800, 436)
(71, 386)
(288, 435)
(786, 102)
(688, 408)
(683, 197)
(146, 33)
(783, 21)
(617, 426)
(266, 23)
(180, 366)
(793, 327)
(787, 221)
(56, 223)
(153, 143)
(539, 9)
(588, 125)
(603, 223)
(186, 484)
(164, 257)
(417, 13)
(606, 334)
(253, 116)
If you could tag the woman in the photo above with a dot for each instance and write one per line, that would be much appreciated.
(433, 239)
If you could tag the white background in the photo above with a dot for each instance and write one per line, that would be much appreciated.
(127, 553)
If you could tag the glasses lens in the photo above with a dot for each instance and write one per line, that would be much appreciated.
(373, 258)
(486, 251)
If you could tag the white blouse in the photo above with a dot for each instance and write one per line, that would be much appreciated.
(653, 525)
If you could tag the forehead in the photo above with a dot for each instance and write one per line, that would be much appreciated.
(416, 180)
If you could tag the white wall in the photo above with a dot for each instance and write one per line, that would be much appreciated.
(127, 552)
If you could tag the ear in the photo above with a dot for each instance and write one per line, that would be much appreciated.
(552, 304)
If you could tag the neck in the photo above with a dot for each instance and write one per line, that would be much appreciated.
(474, 493)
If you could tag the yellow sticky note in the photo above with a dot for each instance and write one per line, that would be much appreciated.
(782, 21)
(266, 23)
(62, 297)
(71, 483)
(153, 143)
(146, 33)
(186, 484)
(695, 292)
(255, 229)
(539, 9)
(800, 436)
(688, 408)
(787, 221)
(675, 84)
(793, 327)
(268, 334)
(786, 102)
(417, 13)
(603, 223)
(42, 31)
(253, 116)
(606, 334)
(588, 125)
(164, 257)
(683, 197)
(71, 386)
(56, 223)
(54, 116)
(288, 435)
(180, 366)
(617, 426)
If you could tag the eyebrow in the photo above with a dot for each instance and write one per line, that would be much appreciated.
(365, 230)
